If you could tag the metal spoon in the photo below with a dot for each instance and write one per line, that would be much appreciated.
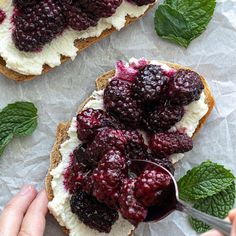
(173, 203)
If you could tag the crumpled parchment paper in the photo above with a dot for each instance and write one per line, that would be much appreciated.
(59, 93)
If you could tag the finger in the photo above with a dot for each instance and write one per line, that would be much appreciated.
(34, 220)
(12, 215)
(212, 233)
(232, 214)
(233, 232)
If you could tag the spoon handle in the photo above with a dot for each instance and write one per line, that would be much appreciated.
(216, 223)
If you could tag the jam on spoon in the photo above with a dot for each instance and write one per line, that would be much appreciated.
(172, 203)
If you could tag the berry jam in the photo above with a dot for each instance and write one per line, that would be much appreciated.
(2, 16)
(72, 179)
(166, 207)
(125, 72)
(78, 170)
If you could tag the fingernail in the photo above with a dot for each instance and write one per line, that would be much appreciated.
(26, 189)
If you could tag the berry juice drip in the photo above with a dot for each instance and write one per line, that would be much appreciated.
(2, 16)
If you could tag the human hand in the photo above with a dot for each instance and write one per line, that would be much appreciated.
(231, 217)
(24, 214)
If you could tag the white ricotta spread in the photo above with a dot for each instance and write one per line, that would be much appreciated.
(193, 114)
(60, 205)
(32, 63)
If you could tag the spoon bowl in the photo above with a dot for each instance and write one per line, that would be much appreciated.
(172, 203)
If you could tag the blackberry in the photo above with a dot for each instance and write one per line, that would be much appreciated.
(81, 157)
(100, 8)
(164, 162)
(170, 143)
(37, 25)
(119, 102)
(130, 208)
(104, 141)
(90, 120)
(151, 185)
(135, 147)
(78, 19)
(94, 214)
(72, 177)
(77, 173)
(163, 118)
(108, 177)
(136, 168)
(150, 84)
(185, 87)
(25, 3)
(142, 2)
(88, 183)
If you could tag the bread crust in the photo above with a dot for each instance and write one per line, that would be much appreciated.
(101, 82)
(81, 44)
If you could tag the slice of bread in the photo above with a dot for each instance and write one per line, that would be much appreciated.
(81, 44)
(101, 82)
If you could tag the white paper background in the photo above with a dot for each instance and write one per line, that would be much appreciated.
(58, 94)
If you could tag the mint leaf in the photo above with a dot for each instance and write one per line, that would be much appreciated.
(195, 15)
(171, 24)
(198, 12)
(211, 189)
(203, 181)
(5, 137)
(217, 205)
(22, 116)
(18, 119)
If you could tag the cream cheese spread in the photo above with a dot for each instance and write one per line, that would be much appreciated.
(60, 205)
(32, 63)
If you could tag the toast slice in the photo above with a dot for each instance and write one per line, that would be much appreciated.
(81, 44)
(101, 82)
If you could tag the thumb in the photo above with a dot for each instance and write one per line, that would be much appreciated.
(12, 215)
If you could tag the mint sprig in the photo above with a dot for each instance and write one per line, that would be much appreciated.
(18, 119)
(211, 189)
(217, 205)
(204, 181)
(181, 21)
